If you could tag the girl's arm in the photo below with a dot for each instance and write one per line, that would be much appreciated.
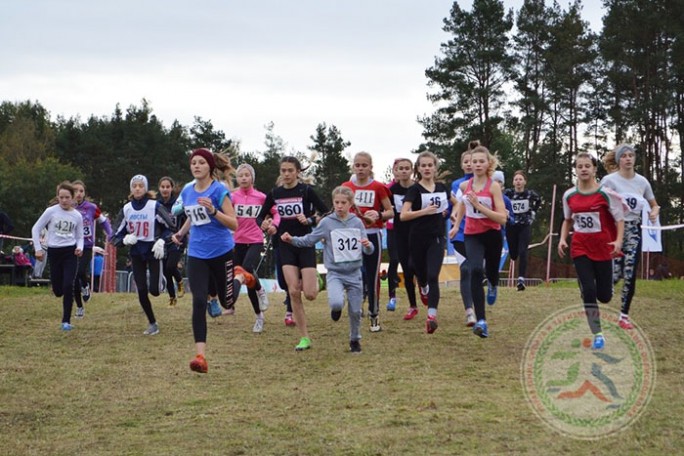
(41, 223)
(617, 243)
(562, 243)
(655, 210)
(388, 212)
(180, 234)
(226, 216)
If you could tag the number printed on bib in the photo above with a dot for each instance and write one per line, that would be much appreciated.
(364, 198)
(346, 244)
(520, 206)
(290, 208)
(64, 228)
(247, 210)
(634, 201)
(587, 222)
(435, 199)
(198, 215)
(474, 213)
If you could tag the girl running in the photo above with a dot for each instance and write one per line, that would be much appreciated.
(458, 241)
(597, 218)
(296, 203)
(484, 211)
(91, 216)
(637, 192)
(174, 253)
(210, 219)
(145, 226)
(344, 240)
(525, 204)
(402, 169)
(249, 239)
(64, 227)
(425, 205)
(372, 204)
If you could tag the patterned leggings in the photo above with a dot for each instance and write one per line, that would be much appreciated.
(625, 267)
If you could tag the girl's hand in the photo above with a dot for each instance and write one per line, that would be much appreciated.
(206, 202)
(39, 255)
(266, 224)
(286, 237)
(365, 242)
(617, 248)
(301, 218)
(177, 238)
(372, 215)
(453, 231)
(78, 252)
(562, 245)
(272, 229)
(653, 215)
(472, 199)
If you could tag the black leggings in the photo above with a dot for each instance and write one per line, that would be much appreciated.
(392, 276)
(484, 252)
(518, 237)
(427, 254)
(371, 265)
(171, 272)
(404, 254)
(81, 279)
(596, 283)
(248, 256)
(140, 268)
(218, 270)
(63, 264)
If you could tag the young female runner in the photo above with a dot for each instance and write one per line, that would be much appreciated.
(525, 203)
(484, 212)
(91, 217)
(372, 204)
(64, 227)
(637, 192)
(210, 219)
(344, 240)
(249, 239)
(403, 169)
(297, 204)
(168, 195)
(145, 226)
(425, 205)
(596, 216)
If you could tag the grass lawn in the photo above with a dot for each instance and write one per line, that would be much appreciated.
(104, 388)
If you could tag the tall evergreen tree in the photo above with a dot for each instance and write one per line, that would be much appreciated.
(331, 167)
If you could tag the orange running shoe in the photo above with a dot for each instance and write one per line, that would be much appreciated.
(250, 281)
(199, 364)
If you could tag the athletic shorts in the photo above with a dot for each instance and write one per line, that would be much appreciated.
(302, 257)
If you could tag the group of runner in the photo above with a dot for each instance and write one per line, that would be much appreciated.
(223, 230)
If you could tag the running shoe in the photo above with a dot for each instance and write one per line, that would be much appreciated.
(304, 344)
(80, 312)
(335, 314)
(173, 302)
(85, 293)
(411, 314)
(431, 324)
(152, 330)
(258, 326)
(470, 318)
(355, 346)
(180, 290)
(599, 342)
(424, 291)
(214, 308)
(480, 329)
(289, 321)
(491, 294)
(521, 285)
(67, 326)
(199, 364)
(375, 324)
(392, 304)
(250, 281)
(624, 323)
(263, 299)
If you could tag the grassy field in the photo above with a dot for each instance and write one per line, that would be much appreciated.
(104, 388)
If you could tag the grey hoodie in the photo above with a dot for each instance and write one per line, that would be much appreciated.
(323, 231)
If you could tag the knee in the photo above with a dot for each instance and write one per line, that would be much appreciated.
(310, 295)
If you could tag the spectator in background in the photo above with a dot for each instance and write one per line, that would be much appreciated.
(98, 265)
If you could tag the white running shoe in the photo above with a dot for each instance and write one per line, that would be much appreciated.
(470, 318)
(258, 325)
(80, 312)
(263, 299)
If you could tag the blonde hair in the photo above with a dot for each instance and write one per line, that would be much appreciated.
(364, 155)
(476, 148)
(344, 191)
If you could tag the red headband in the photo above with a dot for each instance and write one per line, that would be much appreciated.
(207, 155)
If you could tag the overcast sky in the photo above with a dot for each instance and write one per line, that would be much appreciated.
(357, 64)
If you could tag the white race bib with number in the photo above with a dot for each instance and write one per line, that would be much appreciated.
(634, 201)
(247, 210)
(474, 213)
(398, 202)
(587, 222)
(198, 215)
(290, 208)
(364, 198)
(434, 199)
(346, 244)
(520, 206)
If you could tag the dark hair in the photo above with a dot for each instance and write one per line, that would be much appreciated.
(292, 159)
(585, 155)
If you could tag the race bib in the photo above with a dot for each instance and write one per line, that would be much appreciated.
(346, 244)
(247, 210)
(398, 202)
(364, 198)
(474, 213)
(198, 215)
(587, 222)
(520, 206)
(64, 228)
(87, 231)
(634, 201)
(435, 199)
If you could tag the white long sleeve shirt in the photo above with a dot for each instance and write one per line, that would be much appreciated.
(64, 228)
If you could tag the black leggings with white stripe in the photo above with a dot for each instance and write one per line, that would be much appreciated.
(140, 267)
